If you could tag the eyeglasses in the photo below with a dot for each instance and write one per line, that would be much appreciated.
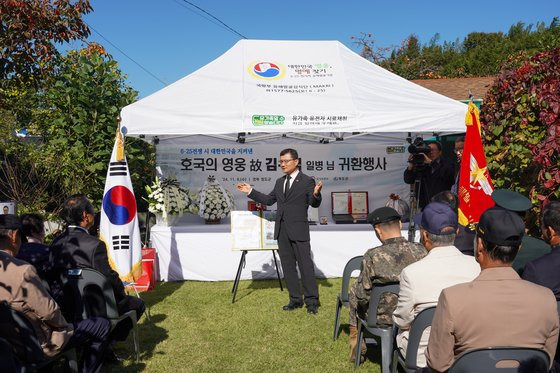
(285, 161)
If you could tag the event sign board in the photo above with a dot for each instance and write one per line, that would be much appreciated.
(375, 168)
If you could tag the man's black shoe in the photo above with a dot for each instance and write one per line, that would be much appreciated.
(312, 309)
(292, 306)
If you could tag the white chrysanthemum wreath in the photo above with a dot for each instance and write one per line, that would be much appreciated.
(167, 197)
(214, 201)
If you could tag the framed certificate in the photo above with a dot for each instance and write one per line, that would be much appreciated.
(349, 203)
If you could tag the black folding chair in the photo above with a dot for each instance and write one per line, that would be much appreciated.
(384, 333)
(485, 360)
(342, 297)
(17, 330)
(81, 283)
(422, 321)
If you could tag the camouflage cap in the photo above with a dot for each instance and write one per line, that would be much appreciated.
(10, 221)
(511, 200)
(383, 215)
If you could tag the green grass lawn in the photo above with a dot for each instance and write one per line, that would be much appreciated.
(194, 327)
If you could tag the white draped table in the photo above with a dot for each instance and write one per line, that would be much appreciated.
(203, 252)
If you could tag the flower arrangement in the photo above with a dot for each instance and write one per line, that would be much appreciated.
(214, 201)
(167, 197)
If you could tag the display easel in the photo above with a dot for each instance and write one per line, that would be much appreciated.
(252, 230)
(242, 265)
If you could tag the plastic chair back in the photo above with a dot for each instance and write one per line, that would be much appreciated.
(16, 328)
(375, 297)
(353, 264)
(422, 321)
(530, 360)
(85, 283)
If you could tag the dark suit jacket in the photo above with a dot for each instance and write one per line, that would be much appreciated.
(545, 271)
(77, 249)
(435, 178)
(292, 209)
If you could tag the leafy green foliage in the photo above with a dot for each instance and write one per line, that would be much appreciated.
(479, 54)
(75, 118)
(521, 126)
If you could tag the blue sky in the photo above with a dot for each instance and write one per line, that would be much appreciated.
(170, 39)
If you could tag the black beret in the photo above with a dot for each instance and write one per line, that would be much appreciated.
(10, 221)
(382, 215)
(511, 200)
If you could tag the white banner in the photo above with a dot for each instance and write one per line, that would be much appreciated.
(373, 168)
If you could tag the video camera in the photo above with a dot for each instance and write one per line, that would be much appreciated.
(418, 148)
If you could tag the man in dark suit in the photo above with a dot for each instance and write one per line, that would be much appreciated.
(293, 194)
(76, 248)
(545, 270)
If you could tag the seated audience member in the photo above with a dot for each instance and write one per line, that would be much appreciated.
(421, 282)
(464, 240)
(34, 251)
(381, 264)
(75, 248)
(23, 290)
(531, 247)
(497, 308)
(545, 270)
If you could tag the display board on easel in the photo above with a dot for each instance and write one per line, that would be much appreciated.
(253, 230)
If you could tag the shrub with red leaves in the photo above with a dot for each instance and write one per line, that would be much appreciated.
(521, 127)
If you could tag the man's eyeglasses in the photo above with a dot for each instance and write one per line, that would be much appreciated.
(285, 161)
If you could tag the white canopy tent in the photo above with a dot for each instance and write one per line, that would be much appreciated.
(291, 87)
(277, 92)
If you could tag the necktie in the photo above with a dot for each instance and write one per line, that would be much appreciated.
(287, 185)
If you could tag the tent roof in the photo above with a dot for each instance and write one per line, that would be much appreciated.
(291, 86)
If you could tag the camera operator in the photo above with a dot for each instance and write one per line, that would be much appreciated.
(425, 164)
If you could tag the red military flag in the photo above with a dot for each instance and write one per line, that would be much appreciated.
(475, 186)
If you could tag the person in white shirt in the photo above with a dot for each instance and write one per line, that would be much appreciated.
(421, 282)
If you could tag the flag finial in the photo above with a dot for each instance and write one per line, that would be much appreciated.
(120, 145)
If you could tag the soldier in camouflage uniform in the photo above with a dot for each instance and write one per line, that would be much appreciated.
(380, 265)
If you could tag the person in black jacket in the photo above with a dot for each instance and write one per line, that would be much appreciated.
(437, 175)
(545, 271)
(76, 248)
(293, 194)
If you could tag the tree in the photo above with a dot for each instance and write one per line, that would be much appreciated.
(75, 120)
(29, 30)
(521, 126)
(479, 54)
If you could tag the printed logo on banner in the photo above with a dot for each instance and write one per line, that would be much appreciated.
(266, 70)
(268, 120)
(395, 149)
(119, 205)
